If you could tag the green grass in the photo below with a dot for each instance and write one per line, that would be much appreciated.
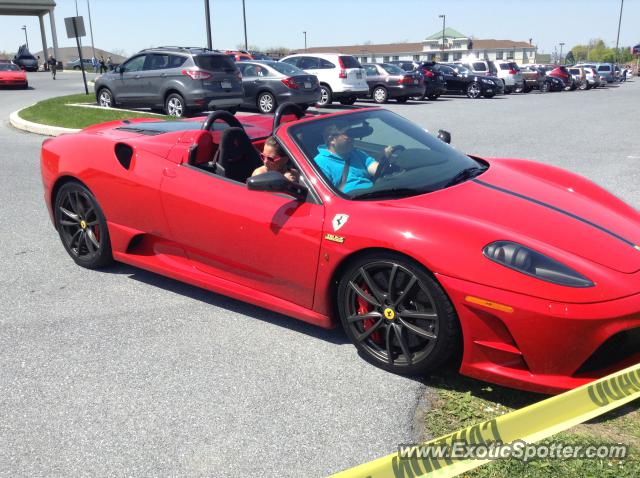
(57, 112)
(459, 402)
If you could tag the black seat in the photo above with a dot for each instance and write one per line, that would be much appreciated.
(237, 156)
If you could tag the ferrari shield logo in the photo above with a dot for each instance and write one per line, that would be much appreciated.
(339, 220)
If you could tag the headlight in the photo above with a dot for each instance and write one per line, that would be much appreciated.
(484, 80)
(522, 259)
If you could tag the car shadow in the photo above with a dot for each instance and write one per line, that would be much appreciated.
(334, 336)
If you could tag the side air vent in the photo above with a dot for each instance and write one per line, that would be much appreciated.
(124, 153)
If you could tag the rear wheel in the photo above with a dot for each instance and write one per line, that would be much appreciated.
(396, 315)
(174, 105)
(584, 85)
(545, 87)
(326, 96)
(105, 98)
(82, 226)
(473, 90)
(266, 102)
(380, 94)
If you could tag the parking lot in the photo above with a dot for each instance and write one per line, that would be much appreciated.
(123, 372)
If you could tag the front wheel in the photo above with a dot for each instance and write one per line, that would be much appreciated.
(175, 105)
(82, 226)
(584, 85)
(105, 98)
(396, 315)
(380, 94)
(473, 90)
(266, 102)
(326, 96)
(544, 87)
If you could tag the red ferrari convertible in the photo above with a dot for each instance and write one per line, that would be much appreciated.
(12, 75)
(523, 273)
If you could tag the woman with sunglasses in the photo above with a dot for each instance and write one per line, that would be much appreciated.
(275, 159)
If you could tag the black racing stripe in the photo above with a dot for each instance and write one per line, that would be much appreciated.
(557, 209)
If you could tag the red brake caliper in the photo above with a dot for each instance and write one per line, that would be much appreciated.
(363, 308)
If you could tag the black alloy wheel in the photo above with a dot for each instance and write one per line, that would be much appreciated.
(473, 90)
(396, 315)
(82, 226)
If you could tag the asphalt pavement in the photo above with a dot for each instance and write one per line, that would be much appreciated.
(123, 372)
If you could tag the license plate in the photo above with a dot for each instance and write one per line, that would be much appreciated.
(489, 90)
(415, 82)
(307, 84)
(359, 75)
(225, 84)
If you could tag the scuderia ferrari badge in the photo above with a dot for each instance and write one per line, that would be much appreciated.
(339, 220)
(334, 238)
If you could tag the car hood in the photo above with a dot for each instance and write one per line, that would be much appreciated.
(523, 199)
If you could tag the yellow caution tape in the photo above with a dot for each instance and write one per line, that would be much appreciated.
(530, 424)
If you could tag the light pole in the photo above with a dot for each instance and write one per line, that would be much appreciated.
(208, 20)
(26, 39)
(93, 47)
(244, 19)
(618, 37)
(561, 45)
(444, 18)
(305, 40)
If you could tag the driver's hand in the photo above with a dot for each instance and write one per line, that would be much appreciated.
(388, 151)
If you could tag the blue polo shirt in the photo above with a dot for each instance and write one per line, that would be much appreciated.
(332, 166)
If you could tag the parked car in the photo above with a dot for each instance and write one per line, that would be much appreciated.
(434, 82)
(536, 78)
(341, 76)
(460, 80)
(479, 67)
(173, 79)
(591, 75)
(256, 55)
(563, 74)
(269, 83)
(579, 74)
(12, 75)
(25, 60)
(532, 76)
(532, 261)
(390, 81)
(239, 55)
(606, 72)
(75, 64)
(510, 74)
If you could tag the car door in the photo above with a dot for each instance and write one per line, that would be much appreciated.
(267, 242)
(249, 83)
(130, 85)
(373, 76)
(152, 77)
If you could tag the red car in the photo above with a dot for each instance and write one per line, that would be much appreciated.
(528, 274)
(12, 75)
(563, 74)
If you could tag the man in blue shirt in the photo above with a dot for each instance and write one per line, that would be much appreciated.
(346, 167)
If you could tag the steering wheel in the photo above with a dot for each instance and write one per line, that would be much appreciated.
(286, 109)
(221, 115)
(385, 165)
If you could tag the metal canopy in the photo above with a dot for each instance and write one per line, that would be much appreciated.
(26, 7)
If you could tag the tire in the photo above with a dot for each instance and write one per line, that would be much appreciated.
(507, 91)
(544, 87)
(433, 96)
(175, 106)
(76, 68)
(473, 90)
(348, 101)
(584, 85)
(380, 95)
(526, 88)
(82, 226)
(326, 96)
(402, 99)
(519, 89)
(105, 98)
(266, 102)
(408, 338)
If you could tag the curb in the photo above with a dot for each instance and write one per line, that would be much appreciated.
(37, 128)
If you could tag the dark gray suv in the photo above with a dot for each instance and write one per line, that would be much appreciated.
(173, 79)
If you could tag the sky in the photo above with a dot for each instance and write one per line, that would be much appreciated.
(127, 26)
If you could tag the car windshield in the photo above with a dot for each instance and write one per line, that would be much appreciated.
(420, 163)
(285, 68)
(8, 67)
(393, 69)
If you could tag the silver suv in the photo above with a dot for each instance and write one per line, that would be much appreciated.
(174, 80)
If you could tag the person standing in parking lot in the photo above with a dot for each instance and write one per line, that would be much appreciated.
(53, 64)
(103, 68)
(109, 63)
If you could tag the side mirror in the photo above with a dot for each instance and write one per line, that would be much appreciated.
(275, 182)
(444, 136)
(455, 73)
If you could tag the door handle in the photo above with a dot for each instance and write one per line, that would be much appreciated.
(169, 172)
(137, 77)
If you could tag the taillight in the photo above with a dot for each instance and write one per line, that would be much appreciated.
(289, 83)
(197, 74)
(406, 80)
(342, 74)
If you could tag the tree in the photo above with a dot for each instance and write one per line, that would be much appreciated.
(569, 58)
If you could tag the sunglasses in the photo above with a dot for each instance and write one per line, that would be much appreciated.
(271, 159)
